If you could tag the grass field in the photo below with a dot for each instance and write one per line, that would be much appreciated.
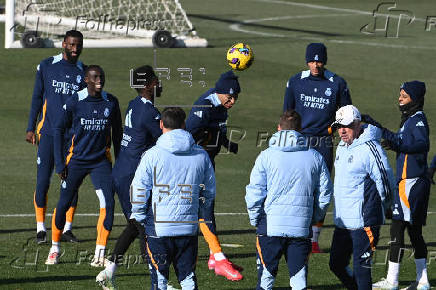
(278, 31)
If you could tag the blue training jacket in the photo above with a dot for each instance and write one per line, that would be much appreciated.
(141, 130)
(433, 162)
(56, 80)
(316, 99)
(91, 120)
(173, 187)
(412, 145)
(363, 183)
(290, 187)
(207, 122)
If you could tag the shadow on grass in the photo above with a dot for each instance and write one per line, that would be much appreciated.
(336, 286)
(236, 232)
(230, 256)
(59, 278)
(256, 25)
(11, 231)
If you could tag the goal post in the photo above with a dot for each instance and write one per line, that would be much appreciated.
(104, 23)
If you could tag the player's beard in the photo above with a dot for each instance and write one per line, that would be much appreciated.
(70, 57)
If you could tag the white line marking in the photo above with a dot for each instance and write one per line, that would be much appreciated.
(120, 214)
(96, 214)
(232, 245)
(237, 26)
(321, 7)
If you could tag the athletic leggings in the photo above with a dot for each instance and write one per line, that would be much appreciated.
(397, 240)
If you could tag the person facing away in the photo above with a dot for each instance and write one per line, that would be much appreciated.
(289, 190)
(173, 188)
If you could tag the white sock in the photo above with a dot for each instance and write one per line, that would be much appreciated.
(55, 247)
(68, 226)
(111, 267)
(219, 256)
(316, 231)
(40, 227)
(421, 270)
(99, 251)
(393, 273)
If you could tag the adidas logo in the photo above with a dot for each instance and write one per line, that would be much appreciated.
(420, 124)
(366, 255)
(199, 114)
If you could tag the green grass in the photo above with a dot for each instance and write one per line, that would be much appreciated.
(374, 67)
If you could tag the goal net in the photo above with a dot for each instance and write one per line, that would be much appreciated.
(104, 23)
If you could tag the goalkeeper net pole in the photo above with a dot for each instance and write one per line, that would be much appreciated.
(104, 23)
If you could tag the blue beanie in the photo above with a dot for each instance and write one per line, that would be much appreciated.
(228, 84)
(415, 89)
(316, 52)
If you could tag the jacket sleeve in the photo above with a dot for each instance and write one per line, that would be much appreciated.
(381, 172)
(323, 191)
(414, 139)
(207, 194)
(289, 99)
(152, 123)
(256, 191)
(433, 163)
(61, 125)
(344, 94)
(198, 121)
(37, 99)
(117, 128)
(141, 187)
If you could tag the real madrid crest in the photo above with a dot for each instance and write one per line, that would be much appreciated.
(106, 112)
(78, 79)
(350, 159)
(328, 92)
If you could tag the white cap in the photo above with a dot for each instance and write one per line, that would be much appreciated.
(346, 115)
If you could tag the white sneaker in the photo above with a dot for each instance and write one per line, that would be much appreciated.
(384, 284)
(99, 262)
(418, 286)
(52, 259)
(106, 280)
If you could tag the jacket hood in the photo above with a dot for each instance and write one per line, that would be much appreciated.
(288, 140)
(370, 133)
(176, 141)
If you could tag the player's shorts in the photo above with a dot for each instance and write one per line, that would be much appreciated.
(411, 200)
(122, 188)
(269, 252)
(181, 252)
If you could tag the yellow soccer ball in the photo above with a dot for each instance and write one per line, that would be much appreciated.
(240, 56)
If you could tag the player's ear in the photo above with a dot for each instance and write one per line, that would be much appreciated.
(161, 124)
(279, 128)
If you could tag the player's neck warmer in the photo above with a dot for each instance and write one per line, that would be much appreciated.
(410, 109)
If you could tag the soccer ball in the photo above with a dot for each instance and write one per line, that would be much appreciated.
(240, 56)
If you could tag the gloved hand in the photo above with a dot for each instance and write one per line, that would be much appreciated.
(430, 174)
(369, 120)
(233, 147)
(388, 214)
(385, 144)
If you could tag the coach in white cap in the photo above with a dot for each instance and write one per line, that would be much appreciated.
(362, 190)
